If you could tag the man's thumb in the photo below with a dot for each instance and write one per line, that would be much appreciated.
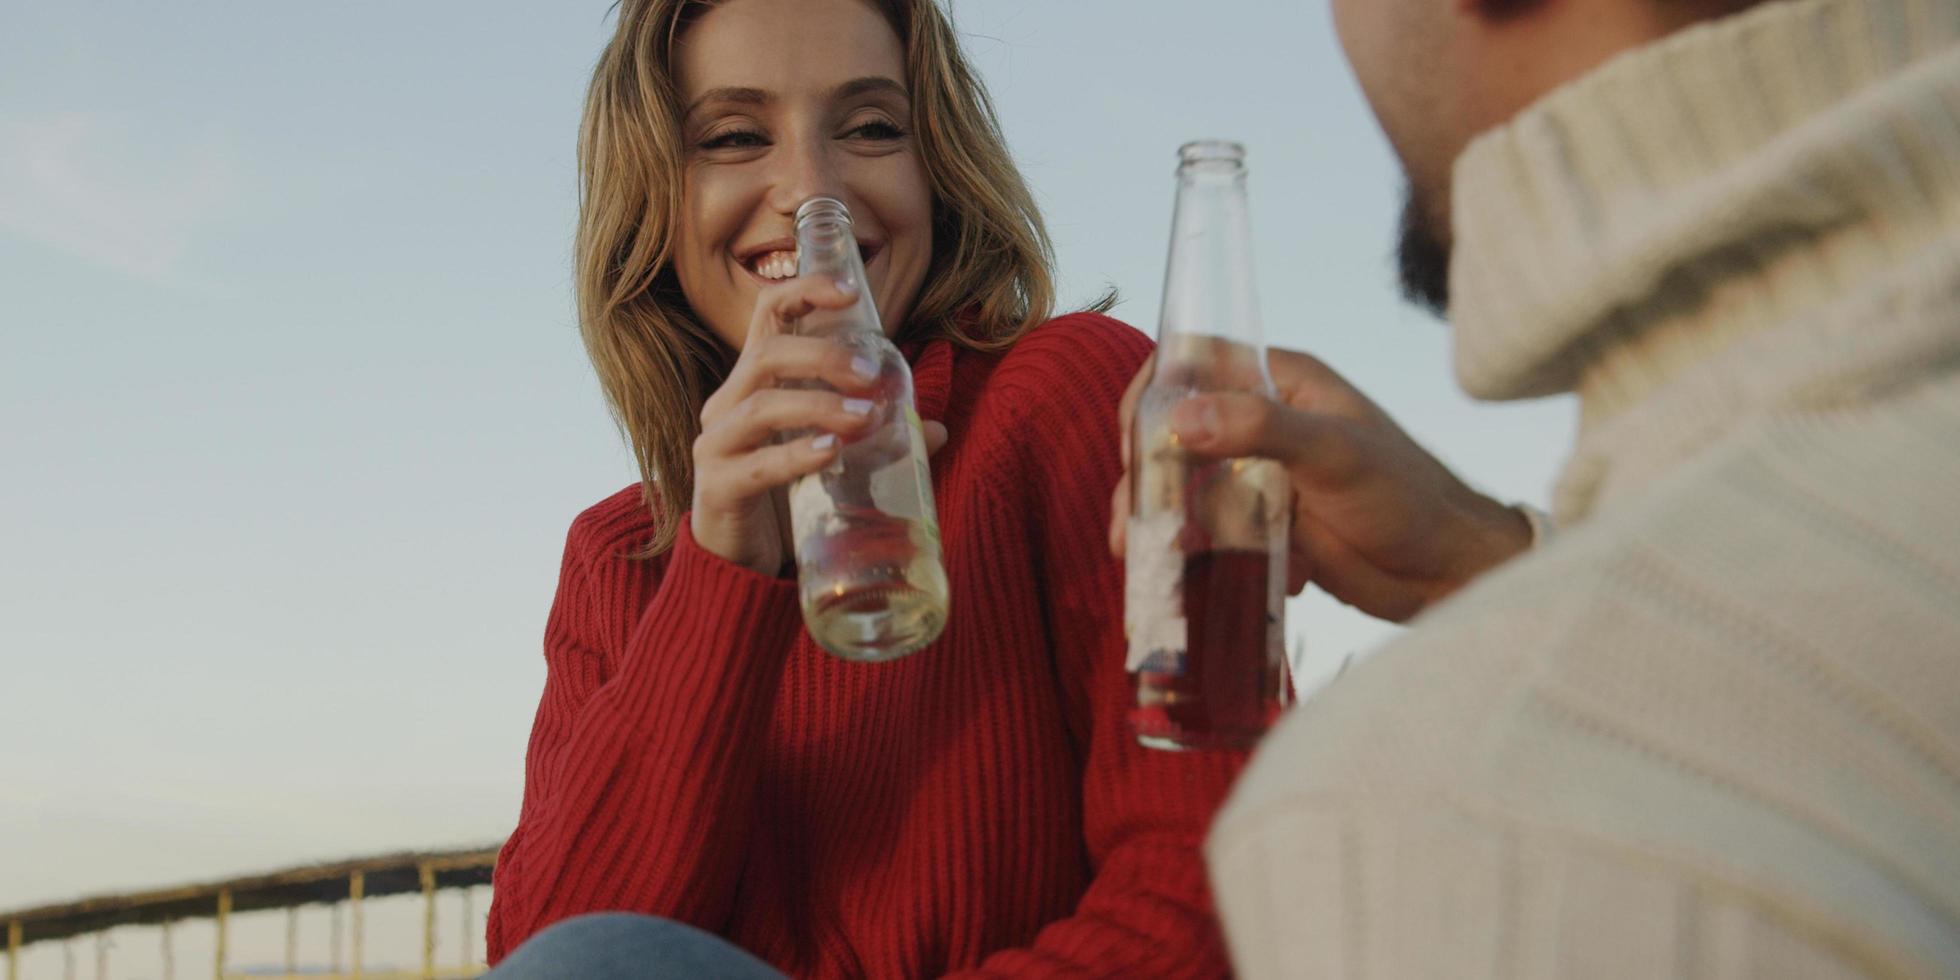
(1239, 424)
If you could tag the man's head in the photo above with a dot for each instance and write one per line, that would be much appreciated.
(1439, 72)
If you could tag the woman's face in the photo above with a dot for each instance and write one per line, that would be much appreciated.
(782, 101)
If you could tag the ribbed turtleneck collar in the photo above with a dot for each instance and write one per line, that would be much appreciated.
(1711, 226)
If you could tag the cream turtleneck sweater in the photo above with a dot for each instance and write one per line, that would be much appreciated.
(1712, 729)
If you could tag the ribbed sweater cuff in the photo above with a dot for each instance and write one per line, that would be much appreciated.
(715, 637)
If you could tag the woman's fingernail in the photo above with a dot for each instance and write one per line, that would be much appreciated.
(823, 443)
(857, 406)
(847, 286)
(864, 367)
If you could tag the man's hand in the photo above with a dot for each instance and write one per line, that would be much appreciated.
(1378, 522)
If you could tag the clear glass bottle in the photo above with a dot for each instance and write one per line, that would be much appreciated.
(866, 535)
(1206, 574)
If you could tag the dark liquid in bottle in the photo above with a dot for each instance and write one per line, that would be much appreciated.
(1230, 690)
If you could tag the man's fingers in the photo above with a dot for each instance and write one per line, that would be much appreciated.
(1305, 382)
(1223, 425)
(1291, 367)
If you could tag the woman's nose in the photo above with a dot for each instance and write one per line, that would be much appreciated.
(806, 171)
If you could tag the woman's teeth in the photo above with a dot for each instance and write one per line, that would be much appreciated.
(776, 265)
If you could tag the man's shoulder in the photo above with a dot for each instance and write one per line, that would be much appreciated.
(1745, 673)
(1782, 557)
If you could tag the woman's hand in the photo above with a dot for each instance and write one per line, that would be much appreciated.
(739, 461)
(1378, 522)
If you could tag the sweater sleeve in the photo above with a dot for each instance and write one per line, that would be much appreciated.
(1147, 911)
(638, 783)
(1416, 887)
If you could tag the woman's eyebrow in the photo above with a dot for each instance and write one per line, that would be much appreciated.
(869, 84)
(745, 96)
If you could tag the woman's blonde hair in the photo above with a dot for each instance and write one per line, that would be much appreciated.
(989, 281)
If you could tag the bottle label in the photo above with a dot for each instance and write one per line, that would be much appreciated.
(884, 470)
(807, 503)
(1153, 600)
(921, 486)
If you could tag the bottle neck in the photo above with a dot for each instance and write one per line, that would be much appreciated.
(1209, 336)
(826, 247)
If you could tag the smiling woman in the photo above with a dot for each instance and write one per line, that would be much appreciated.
(676, 162)
(697, 760)
(730, 234)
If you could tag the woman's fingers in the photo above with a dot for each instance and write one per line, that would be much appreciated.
(737, 458)
(935, 435)
(771, 360)
(772, 351)
(755, 420)
(779, 305)
(785, 358)
(741, 478)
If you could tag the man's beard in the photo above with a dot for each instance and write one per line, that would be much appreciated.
(1421, 258)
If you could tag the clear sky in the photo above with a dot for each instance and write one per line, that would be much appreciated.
(293, 413)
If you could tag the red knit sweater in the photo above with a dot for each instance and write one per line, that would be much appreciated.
(979, 805)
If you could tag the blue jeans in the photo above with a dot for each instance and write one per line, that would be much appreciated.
(624, 946)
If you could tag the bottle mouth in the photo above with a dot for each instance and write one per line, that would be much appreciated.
(818, 208)
(1216, 156)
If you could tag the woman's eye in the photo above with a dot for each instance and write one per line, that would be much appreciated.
(877, 129)
(733, 139)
